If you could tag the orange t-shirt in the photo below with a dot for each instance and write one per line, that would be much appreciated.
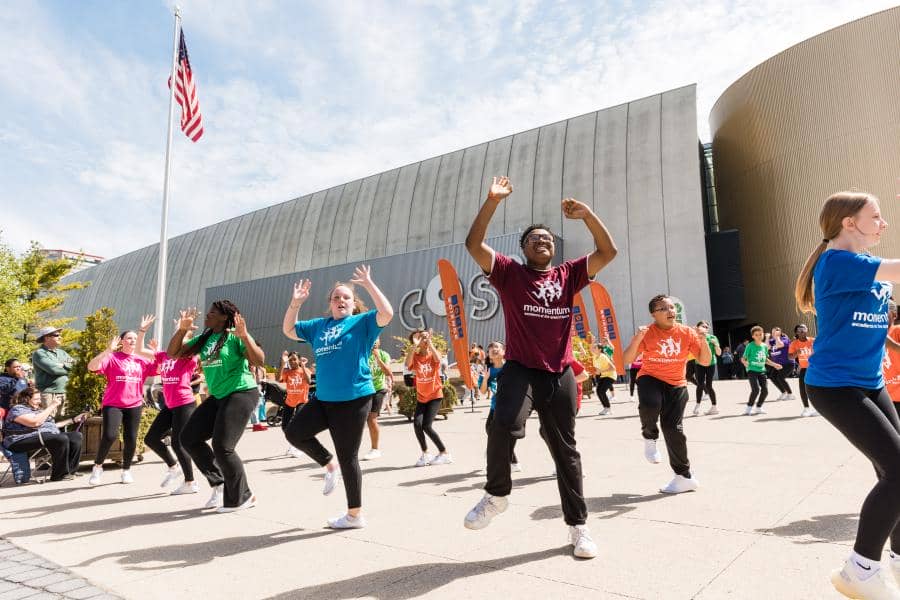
(891, 366)
(427, 370)
(297, 387)
(666, 352)
(803, 350)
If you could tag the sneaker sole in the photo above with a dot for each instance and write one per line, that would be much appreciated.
(583, 554)
(475, 526)
(841, 585)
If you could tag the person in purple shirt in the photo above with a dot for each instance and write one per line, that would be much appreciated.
(778, 352)
(537, 308)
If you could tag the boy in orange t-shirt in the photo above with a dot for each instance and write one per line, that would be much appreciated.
(424, 360)
(801, 349)
(295, 376)
(662, 387)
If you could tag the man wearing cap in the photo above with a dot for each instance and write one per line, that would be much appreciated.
(51, 368)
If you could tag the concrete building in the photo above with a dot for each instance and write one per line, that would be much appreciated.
(637, 165)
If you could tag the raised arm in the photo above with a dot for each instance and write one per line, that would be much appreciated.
(362, 276)
(306, 372)
(255, 354)
(279, 377)
(185, 325)
(298, 296)
(480, 251)
(604, 248)
(141, 348)
(632, 350)
(94, 364)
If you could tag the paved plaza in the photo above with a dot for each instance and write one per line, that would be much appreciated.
(776, 512)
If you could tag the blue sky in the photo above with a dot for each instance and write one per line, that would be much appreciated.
(300, 96)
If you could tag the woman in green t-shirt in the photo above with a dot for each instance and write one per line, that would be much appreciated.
(706, 373)
(755, 359)
(226, 352)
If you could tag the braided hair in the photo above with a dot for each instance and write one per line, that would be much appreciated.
(227, 308)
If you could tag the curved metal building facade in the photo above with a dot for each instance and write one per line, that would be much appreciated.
(820, 117)
(637, 164)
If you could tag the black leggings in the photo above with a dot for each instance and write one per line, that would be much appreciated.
(129, 419)
(705, 377)
(223, 420)
(512, 441)
(778, 378)
(632, 377)
(663, 403)
(603, 385)
(801, 379)
(171, 420)
(345, 421)
(422, 420)
(869, 421)
(758, 387)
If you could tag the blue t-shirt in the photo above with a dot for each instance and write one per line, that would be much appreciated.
(493, 375)
(853, 321)
(342, 348)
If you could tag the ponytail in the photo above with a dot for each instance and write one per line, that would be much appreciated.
(803, 289)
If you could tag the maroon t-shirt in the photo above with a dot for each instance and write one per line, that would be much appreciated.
(537, 308)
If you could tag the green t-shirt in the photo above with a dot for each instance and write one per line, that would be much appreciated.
(712, 342)
(230, 371)
(377, 374)
(756, 355)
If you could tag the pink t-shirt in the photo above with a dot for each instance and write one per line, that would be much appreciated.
(176, 374)
(537, 308)
(125, 375)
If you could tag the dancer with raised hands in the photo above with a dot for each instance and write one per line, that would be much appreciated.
(226, 350)
(342, 343)
(424, 360)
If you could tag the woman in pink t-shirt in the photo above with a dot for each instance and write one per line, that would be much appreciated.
(178, 406)
(122, 399)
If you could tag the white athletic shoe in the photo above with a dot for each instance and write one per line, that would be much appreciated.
(651, 452)
(443, 458)
(813, 412)
(781, 397)
(789, 397)
(758, 410)
(288, 450)
(697, 410)
(895, 567)
(96, 475)
(713, 410)
(424, 460)
(706, 398)
(487, 508)
(296, 452)
(331, 480)
(217, 497)
(748, 410)
(679, 485)
(127, 477)
(188, 487)
(372, 454)
(807, 412)
(248, 503)
(580, 537)
(875, 587)
(604, 412)
(515, 467)
(172, 475)
(347, 522)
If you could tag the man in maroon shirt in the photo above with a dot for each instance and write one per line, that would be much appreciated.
(537, 307)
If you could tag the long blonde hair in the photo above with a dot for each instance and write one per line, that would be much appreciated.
(837, 207)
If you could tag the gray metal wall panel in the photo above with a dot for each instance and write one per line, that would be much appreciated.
(287, 255)
(444, 207)
(361, 222)
(548, 175)
(520, 204)
(468, 191)
(578, 181)
(497, 164)
(422, 207)
(379, 229)
(181, 269)
(194, 293)
(309, 231)
(325, 227)
(210, 256)
(343, 221)
(398, 231)
(254, 258)
(236, 251)
(278, 232)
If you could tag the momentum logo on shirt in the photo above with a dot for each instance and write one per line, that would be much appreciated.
(548, 291)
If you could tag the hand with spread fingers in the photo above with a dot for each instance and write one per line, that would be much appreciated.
(500, 189)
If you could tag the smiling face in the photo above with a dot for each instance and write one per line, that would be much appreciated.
(294, 361)
(801, 331)
(758, 336)
(539, 247)
(128, 342)
(664, 313)
(341, 302)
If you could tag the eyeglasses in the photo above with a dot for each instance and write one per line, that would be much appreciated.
(662, 309)
(534, 238)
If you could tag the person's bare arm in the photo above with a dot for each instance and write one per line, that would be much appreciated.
(185, 325)
(298, 296)
(362, 276)
(604, 248)
(255, 354)
(475, 244)
(632, 350)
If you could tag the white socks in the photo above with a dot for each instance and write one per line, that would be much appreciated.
(864, 567)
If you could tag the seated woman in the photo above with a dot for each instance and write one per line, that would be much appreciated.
(28, 427)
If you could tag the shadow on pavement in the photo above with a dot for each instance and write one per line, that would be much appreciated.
(414, 581)
(517, 482)
(819, 530)
(443, 479)
(771, 419)
(49, 509)
(297, 466)
(189, 555)
(616, 505)
(80, 529)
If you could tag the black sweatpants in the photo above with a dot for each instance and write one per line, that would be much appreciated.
(778, 377)
(345, 421)
(512, 441)
(422, 423)
(664, 403)
(705, 376)
(801, 382)
(64, 448)
(287, 415)
(758, 387)
(224, 421)
(171, 420)
(554, 397)
(869, 422)
(129, 419)
(603, 385)
(632, 378)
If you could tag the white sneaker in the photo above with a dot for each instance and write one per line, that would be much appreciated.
(813, 412)
(296, 452)
(188, 487)
(580, 537)
(347, 522)
(697, 410)
(486, 509)
(780, 397)
(604, 412)
(679, 485)
(289, 451)
(874, 587)
(331, 480)
(96, 475)
(706, 398)
(248, 503)
(758, 410)
(126, 476)
(424, 460)
(651, 452)
(372, 454)
(895, 567)
(444, 458)
(789, 397)
(515, 467)
(807, 412)
(748, 410)
(218, 496)
(713, 410)
(172, 475)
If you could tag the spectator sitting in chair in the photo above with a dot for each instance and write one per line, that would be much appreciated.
(28, 427)
(12, 381)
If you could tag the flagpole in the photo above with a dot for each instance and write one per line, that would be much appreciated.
(163, 236)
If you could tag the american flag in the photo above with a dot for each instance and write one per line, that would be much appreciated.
(186, 95)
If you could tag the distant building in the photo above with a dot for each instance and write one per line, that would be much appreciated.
(79, 259)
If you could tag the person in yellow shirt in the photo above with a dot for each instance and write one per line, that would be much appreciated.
(605, 373)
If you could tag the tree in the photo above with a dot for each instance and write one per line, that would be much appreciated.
(42, 292)
(13, 311)
(85, 389)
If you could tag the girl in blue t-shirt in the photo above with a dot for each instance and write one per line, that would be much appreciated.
(846, 287)
(342, 343)
(496, 357)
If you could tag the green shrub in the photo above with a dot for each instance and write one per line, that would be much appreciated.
(407, 402)
(84, 391)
